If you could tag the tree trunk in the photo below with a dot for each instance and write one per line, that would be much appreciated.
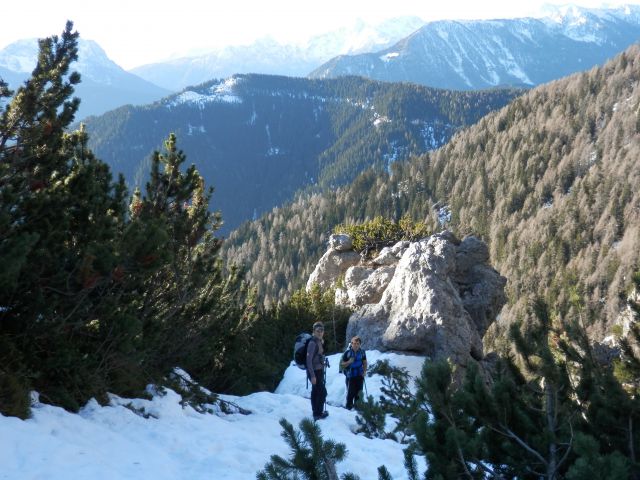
(550, 408)
(330, 469)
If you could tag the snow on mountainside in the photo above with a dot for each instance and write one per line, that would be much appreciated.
(484, 54)
(104, 84)
(222, 92)
(269, 56)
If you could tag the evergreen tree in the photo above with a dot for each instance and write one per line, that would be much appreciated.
(59, 216)
(371, 418)
(312, 457)
(397, 399)
(95, 297)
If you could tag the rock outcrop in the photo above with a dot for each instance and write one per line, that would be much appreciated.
(333, 264)
(436, 297)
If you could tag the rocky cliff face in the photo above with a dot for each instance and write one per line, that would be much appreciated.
(435, 297)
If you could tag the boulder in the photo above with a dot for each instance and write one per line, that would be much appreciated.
(366, 285)
(385, 257)
(430, 306)
(399, 248)
(482, 293)
(332, 265)
(471, 251)
(340, 242)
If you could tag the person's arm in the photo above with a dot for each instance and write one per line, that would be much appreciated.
(312, 349)
(364, 364)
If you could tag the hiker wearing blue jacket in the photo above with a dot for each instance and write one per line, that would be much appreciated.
(315, 371)
(354, 364)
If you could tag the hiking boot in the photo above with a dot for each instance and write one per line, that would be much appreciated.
(321, 416)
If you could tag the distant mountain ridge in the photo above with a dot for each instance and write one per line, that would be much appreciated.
(268, 56)
(258, 139)
(104, 84)
(550, 182)
(467, 55)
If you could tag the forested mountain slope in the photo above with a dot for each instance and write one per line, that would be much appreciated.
(258, 139)
(550, 182)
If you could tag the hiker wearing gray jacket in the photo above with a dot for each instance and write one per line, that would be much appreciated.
(315, 372)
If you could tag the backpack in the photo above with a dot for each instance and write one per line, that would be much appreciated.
(300, 350)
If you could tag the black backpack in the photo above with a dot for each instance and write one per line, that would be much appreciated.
(300, 350)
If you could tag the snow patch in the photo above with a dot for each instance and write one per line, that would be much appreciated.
(443, 213)
(380, 119)
(389, 56)
(219, 93)
(191, 129)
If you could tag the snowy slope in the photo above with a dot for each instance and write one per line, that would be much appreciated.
(178, 443)
(470, 55)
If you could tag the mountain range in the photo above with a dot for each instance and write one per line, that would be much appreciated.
(483, 54)
(258, 139)
(269, 56)
(461, 55)
(104, 85)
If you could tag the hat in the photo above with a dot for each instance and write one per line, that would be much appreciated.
(318, 325)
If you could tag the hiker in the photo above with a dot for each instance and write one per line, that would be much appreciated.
(354, 365)
(315, 372)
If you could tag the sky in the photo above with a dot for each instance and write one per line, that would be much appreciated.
(146, 31)
(113, 443)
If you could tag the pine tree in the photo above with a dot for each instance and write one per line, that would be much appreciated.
(59, 216)
(95, 297)
(312, 457)
(397, 399)
(371, 418)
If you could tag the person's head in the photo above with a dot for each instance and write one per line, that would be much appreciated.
(318, 329)
(356, 342)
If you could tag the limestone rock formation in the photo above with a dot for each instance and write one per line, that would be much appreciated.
(334, 262)
(436, 297)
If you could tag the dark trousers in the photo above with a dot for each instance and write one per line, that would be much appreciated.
(354, 387)
(318, 393)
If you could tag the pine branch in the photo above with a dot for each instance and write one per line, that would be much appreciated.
(510, 434)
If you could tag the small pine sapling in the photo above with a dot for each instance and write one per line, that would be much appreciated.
(312, 457)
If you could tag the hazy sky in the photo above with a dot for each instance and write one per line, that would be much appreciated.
(135, 32)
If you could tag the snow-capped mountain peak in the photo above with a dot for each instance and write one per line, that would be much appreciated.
(104, 85)
(20, 56)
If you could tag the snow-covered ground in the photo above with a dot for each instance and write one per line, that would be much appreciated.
(113, 442)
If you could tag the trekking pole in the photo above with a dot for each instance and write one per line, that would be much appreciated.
(324, 383)
(364, 380)
(333, 322)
